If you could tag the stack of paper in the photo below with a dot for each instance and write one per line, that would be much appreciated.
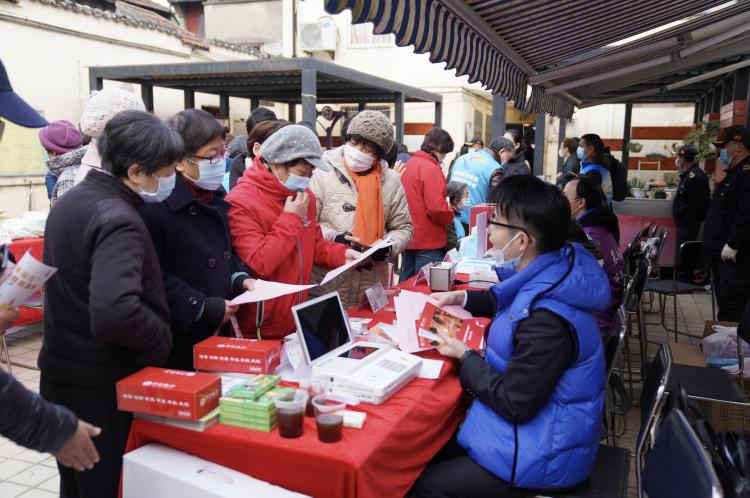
(409, 306)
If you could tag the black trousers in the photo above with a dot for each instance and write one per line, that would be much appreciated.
(453, 474)
(685, 232)
(732, 287)
(97, 407)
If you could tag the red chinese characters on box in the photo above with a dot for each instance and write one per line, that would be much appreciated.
(169, 393)
(229, 354)
(476, 210)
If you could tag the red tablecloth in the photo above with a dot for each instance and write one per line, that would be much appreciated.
(18, 248)
(381, 460)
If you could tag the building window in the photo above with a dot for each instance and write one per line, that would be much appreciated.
(361, 35)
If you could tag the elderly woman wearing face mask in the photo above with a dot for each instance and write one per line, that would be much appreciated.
(360, 201)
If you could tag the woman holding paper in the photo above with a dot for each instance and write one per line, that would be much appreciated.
(274, 230)
(359, 201)
(190, 232)
(516, 440)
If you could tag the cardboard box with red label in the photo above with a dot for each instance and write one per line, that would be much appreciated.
(230, 354)
(169, 393)
(476, 210)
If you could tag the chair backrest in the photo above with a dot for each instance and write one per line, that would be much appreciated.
(614, 343)
(689, 255)
(634, 290)
(652, 398)
(633, 250)
(677, 465)
(661, 236)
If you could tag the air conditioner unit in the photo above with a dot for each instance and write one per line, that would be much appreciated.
(318, 36)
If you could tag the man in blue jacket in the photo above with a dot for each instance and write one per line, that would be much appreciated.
(533, 427)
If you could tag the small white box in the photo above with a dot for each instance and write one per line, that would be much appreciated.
(442, 276)
(158, 471)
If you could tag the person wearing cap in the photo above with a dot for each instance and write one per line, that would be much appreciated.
(726, 234)
(476, 144)
(426, 194)
(475, 170)
(693, 195)
(274, 228)
(360, 201)
(190, 232)
(237, 166)
(99, 109)
(27, 419)
(57, 138)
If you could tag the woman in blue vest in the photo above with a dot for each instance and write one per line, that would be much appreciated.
(538, 389)
(594, 162)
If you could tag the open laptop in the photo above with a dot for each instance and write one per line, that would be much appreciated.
(368, 371)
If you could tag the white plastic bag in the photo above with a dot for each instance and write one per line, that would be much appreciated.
(723, 344)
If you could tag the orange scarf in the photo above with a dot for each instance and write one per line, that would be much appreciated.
(369, 220)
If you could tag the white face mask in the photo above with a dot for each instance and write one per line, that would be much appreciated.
(501, 262)
(357, 160)
(561, 153)
(163, 190)
(211, 174)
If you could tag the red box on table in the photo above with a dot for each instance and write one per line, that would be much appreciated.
(169, 393)
(478, 209)
(230, 354)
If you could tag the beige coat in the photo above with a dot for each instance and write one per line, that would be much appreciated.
(336, 199)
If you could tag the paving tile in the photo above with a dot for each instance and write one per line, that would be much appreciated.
(50, 462)
(31, 456)
(39, 493)
(10, 449)
(52, 485)
(10, 490)
(33, 476)
(12, 467)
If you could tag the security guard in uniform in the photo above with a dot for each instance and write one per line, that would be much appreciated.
(693, 195)
(726, 235)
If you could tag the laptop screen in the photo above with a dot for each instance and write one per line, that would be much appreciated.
(323, 325)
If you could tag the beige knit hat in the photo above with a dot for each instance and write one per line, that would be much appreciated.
(373, 126)
(103, 105)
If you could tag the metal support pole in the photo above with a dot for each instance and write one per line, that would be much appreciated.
(361, 106)
(626, 134)
(438, 114)
(539, 144)
(147, 94)
(224, 106)
(95, 84)
(399, 101)
(560, 138)
(498, 116)
(254, 103)
(188, 99)
(309, 95)
(697, 110)
(747, 106)
(292, 112)
(716, 100)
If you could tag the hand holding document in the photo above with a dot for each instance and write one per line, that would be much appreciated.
(24, 279)
(263, 291)
(351, 264)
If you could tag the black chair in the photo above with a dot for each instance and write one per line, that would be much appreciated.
(613, 347)
(652, 402)
(633, 303)
(677, 465)
(633, 251)
(689, 255)
(609, 478)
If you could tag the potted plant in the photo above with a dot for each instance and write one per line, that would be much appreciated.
(701, 137)
(635, 146)
(637, 188)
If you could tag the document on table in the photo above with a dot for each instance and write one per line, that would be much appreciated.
(430, 369)
(409, 306)
(23, 280)
(263, 291)
(341, 269)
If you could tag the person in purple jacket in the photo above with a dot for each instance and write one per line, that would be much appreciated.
(588, 206)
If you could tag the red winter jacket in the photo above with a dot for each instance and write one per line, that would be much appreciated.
(276, 246)
(425, 189)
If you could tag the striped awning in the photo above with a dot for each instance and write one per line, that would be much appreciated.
(501, 43)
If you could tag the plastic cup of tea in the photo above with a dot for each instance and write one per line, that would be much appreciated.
(290, 408)
(329, 417)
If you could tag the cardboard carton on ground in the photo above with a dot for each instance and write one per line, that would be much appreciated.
(230, 354)
(169, 393)
(722, 416)
(156, 471)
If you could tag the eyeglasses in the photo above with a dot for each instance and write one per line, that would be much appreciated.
(212, 160)
(491, 221)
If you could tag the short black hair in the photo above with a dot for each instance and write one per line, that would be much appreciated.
(570, 144)
(591, 192)
(392, 155)
(437, 140)
(196, 127)
(537, 207)
(456, 191)
(595, 141)
(258, 115)
(138, 137)
(689, 152)
(403, 149)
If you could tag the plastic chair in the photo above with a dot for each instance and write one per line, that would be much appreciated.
(677, 465)
(689, 255)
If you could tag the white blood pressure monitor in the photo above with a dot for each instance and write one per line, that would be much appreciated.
(367, 371)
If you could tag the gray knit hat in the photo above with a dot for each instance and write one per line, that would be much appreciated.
(373, 126)
(293, 142)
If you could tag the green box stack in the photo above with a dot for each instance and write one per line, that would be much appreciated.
(251, 406)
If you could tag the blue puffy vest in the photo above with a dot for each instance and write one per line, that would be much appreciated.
(558, 447)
